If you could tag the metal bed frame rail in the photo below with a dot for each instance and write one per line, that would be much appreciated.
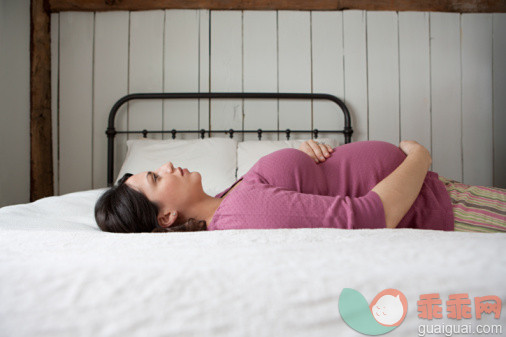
(112, 132)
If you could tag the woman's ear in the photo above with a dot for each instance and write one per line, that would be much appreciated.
(167, 218)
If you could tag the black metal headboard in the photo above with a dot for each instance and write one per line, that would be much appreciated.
(111, 131)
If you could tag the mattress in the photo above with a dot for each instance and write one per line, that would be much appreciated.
(61, 276)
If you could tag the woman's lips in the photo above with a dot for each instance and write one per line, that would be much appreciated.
(183, 171)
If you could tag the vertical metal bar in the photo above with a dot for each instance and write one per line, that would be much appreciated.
(111, 133)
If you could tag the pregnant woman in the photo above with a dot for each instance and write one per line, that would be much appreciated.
(366, 184)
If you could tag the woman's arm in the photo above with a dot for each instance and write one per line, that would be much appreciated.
(399, 190)
(263, 206)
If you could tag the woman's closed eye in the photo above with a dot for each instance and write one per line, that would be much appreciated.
(154, 176)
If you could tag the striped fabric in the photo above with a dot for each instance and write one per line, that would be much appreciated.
(477, 208)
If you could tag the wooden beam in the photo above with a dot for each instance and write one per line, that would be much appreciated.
(462, 6)
(41, 154)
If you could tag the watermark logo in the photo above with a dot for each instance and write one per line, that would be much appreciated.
(458, 306)
(386, 311)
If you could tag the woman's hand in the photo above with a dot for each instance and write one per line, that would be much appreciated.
(410, 146)
(318, 151)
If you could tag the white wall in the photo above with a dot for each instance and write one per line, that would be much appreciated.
(14, 102)
(434, 77)
(437, 78)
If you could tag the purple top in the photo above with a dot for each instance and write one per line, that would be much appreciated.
(287, 189)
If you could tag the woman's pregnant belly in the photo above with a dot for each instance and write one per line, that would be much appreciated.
(355, 168)
(352, 169)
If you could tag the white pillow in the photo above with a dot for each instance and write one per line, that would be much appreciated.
(214, 158)
(249, 152)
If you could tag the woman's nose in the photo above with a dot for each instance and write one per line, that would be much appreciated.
(168, 167)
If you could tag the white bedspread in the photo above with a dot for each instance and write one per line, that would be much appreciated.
(61, 276)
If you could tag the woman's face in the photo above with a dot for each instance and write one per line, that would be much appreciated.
(168, 187)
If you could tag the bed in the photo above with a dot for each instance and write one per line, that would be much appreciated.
(61, 276)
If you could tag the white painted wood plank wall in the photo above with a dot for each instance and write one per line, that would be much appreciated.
(110, 80)
(146, 70)
(437, 78)
(383, 76)
(294, 62)
(76, 101)
(181, 71)
(327, 67)
(355, 72)
(414, 77)
(477, 98)
(204, 68)
(260, 64)
(55, 36)
(226, 69)
(446, 94)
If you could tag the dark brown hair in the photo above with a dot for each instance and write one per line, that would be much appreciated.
(121, 209)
